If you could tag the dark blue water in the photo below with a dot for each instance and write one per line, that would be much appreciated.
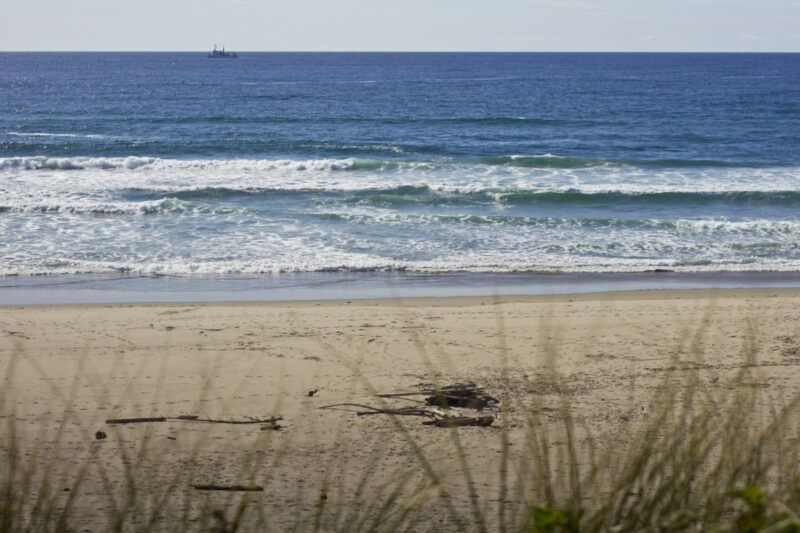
(176, 164)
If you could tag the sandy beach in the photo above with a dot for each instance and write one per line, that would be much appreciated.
(67, 369)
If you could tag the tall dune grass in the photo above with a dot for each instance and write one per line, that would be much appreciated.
(694, 459)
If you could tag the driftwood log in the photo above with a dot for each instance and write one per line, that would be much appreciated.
(461, 421)
(236, 488)
(400, 411)
(273, 420)
(136, 420)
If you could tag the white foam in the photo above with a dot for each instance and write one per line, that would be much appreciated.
(257, 267)
(153, 163)
(759, 226)
(73, 163)
(56, 135)
(86, 174)
(78, 207)
(209, 236)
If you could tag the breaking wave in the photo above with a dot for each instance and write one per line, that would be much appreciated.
(153, 163)
(544, 161)
(183, 268)
(425, 195)
(78, 207)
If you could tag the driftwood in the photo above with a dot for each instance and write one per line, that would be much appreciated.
(237, 488)
(402, 411)
(272, 420)
(135, 420)
(464, 395)
(460, 421)
(189, 418)
(467, 395)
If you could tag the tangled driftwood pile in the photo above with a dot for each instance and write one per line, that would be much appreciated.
(438, 402)
(465, 395)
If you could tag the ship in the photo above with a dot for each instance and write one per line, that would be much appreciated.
(221, 54)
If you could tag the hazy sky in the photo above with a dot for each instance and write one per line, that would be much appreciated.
(591, 25)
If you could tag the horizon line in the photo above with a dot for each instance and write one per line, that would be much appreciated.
(408, 51)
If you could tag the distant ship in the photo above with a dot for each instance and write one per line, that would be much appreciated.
(221, 54)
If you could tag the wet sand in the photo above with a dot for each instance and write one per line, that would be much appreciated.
(141, 289)
(66, 369)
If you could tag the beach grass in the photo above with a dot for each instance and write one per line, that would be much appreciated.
(695, 458)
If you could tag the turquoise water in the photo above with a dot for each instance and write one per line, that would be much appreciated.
(171, 164)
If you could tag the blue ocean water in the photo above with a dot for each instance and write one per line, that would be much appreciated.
(174, 164)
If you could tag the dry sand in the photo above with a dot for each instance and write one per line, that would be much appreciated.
(72, 367)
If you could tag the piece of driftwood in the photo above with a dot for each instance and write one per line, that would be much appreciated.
(235, 488)
(437, 419)
(136, 420)
(190, 418)
(461, 421)
(402, 411)
(402, 394)
(271, 420)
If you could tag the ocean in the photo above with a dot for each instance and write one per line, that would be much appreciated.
(171, 164)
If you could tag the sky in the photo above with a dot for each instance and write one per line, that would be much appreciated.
(402, 25)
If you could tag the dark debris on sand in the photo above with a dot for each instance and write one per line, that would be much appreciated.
(458, 395)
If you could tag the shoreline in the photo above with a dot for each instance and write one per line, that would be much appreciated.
(337, 287)
(631, 296)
